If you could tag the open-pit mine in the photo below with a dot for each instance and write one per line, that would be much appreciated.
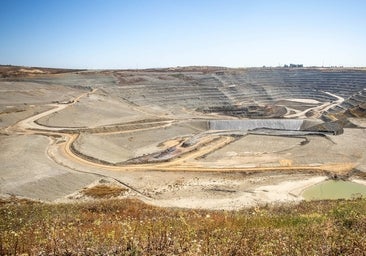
(194, 137)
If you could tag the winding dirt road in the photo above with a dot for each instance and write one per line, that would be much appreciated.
(318, 110)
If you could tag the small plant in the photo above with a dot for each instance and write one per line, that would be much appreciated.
(104, 191)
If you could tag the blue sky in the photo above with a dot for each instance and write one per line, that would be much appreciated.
(169, 33)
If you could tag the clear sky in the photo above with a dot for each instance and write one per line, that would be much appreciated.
(169, 33)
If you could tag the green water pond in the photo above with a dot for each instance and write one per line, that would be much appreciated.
(334, 189)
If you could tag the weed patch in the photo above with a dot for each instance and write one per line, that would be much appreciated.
(130, 227)
(104, 191)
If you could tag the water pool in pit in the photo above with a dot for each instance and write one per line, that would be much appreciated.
(334, 189)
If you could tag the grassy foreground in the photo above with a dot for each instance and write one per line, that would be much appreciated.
(129, 227)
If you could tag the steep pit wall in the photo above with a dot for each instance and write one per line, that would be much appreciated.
(248, 125)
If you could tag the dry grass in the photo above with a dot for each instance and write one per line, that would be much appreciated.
(129, 227)
(339, 168)
(104, 191)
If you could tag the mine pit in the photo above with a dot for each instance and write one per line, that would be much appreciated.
(210, 132)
